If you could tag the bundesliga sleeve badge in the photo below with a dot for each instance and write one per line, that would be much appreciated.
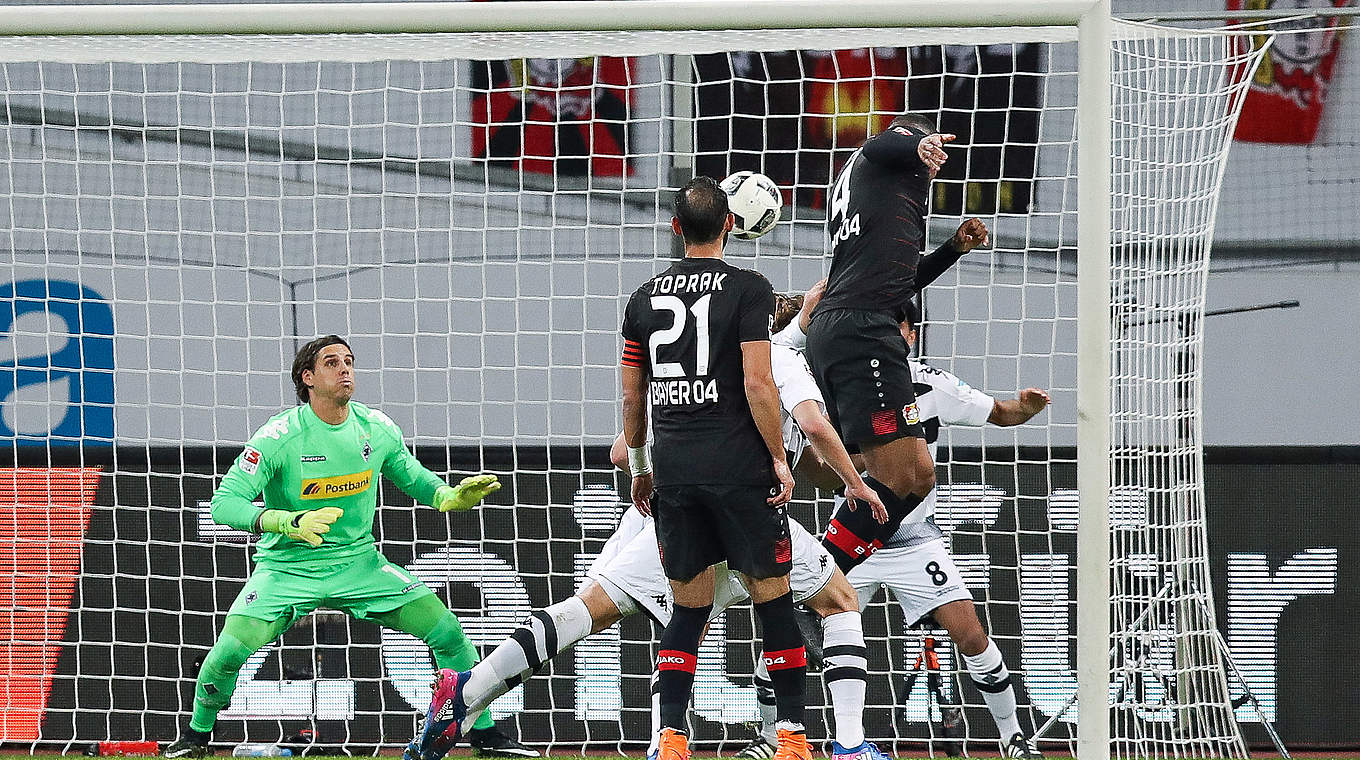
(250, 460)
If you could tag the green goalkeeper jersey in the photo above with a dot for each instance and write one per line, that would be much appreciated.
(300, 463)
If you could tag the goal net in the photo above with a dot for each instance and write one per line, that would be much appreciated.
(470, 211)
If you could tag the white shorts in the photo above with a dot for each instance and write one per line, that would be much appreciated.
(922, 578)
(632, 574)
(631, 523)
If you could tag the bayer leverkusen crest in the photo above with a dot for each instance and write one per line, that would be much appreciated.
(1289, 88)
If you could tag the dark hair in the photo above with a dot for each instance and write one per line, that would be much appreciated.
(916, 121)
(786, 308)
(701, 207)
(306, 360)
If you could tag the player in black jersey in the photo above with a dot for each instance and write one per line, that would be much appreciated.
(877, 220)
(697, 349)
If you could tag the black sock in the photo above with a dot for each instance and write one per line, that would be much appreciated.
(852, 537)
(197, 737)
(785, 658)
(676, 660)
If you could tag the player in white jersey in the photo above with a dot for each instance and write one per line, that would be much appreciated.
(915, 563)
(627, 578)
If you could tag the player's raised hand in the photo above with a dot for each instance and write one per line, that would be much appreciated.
(931, 150)
(1033, 400)
(971, 234)
(467, 494)
(311, 525)
(862, 492)
(642, 493)
(785, 476)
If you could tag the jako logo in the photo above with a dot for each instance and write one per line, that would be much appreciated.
(340, 485)
(670, 660)
(56, 342)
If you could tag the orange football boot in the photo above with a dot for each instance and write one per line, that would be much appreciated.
(674, 745)
(792, 745)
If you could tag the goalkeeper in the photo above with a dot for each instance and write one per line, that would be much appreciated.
(318, 465)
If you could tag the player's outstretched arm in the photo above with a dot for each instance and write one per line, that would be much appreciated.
(423, 485)
(467, 494)
(1017, 411)
(829, 448)
(971, 234)
(763, 397)
(902, 148)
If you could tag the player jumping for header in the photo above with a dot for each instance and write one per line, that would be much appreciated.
(877, 219)
(317, 465)
(915, 563)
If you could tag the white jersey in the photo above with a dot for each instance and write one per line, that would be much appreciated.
(941, 399)
(795, 382)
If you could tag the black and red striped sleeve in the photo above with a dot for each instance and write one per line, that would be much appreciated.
(632, 354)
(632, 337)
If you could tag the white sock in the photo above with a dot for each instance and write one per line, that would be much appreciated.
(547, 633)
(769, 713)
(993, 680)
(655, 744)
(846, 663)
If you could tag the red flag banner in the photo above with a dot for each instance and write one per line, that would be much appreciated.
(854, 94)
(1284, 104)
(551, 115)
(797, 116)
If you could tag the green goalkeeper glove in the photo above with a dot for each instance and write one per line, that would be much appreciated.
(466, 494)
(306, 526)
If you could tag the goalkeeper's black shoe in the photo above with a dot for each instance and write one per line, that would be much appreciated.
(190, 744)
(1021, 747)
(490, 742)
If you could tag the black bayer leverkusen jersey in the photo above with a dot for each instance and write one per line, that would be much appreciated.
(685, 328)
(877, 220)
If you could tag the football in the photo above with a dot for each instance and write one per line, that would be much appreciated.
(755, 201)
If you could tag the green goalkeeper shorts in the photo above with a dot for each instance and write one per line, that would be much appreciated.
(364, 588)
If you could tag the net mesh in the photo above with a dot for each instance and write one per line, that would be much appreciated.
(181, 214)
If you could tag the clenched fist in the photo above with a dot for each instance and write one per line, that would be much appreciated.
(971, 234)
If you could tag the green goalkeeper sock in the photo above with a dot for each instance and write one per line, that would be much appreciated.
(241, 637)
(430, 621)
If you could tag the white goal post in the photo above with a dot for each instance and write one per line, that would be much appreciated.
(433, 31)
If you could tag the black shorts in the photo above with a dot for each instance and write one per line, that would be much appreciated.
(860, 361)
(700, 526)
